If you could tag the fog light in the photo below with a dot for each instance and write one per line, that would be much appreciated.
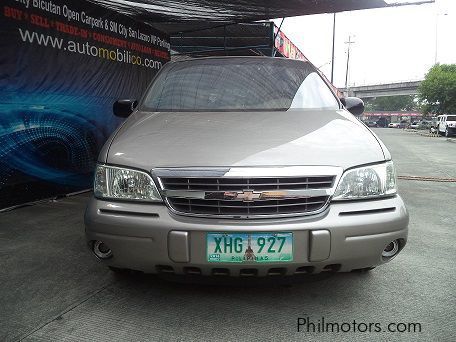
(101, 250)
(391, 249)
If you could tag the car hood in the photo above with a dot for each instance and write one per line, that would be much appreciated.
(207, 139)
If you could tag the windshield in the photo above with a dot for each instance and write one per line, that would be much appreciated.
(239, 84)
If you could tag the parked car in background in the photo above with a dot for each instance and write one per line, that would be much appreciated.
(446, 125)
(371, 124)
(433, 125)
(403, 124)
(415, 125)
(244, 166)
(424, 124)
(382, 122)
(393, 125)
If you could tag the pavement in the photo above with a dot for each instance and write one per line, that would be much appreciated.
(426, 133)
(53, 289)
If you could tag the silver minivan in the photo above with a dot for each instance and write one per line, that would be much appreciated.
(244, 166)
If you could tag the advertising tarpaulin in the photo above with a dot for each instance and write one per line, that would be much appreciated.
(62, 65)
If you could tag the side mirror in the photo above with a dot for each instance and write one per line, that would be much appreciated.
(123, 108)
(354, 105)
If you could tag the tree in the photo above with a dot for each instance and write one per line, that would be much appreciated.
(437, 92)
(392, 103)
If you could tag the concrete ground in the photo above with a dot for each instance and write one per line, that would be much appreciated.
(52, 289)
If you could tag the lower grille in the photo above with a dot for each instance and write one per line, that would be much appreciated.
(240, 208)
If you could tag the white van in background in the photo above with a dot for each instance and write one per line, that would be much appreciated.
(446, 124)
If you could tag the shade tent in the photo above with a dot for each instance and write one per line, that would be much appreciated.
(173, 16)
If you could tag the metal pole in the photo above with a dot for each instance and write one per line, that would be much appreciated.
(224, 39)
(437, 36)
(334, 40)
(346, 72)
(350, 42)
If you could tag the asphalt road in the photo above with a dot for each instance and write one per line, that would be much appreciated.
(52, 289)
(419, 155)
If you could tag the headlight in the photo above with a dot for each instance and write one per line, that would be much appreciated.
(119, 183)
(367, 182)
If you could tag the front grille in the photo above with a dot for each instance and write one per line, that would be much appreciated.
(257, 184)
(219, 196)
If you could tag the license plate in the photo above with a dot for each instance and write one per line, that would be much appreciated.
(249, 247)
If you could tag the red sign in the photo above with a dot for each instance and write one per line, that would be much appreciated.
(286, 47)
(393, 114)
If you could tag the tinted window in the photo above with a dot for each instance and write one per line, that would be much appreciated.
(451, 118)
(239, 84)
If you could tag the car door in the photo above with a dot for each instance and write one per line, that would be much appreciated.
(442, 124)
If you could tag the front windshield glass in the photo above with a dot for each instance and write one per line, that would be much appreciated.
(239, 84)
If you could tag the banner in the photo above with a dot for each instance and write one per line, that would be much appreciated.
(286, 47)
(393, 114)
(62, 65)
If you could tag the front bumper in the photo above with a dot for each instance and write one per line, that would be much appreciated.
(148, 238)
(451, 130)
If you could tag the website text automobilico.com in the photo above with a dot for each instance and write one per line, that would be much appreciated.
(85, 48)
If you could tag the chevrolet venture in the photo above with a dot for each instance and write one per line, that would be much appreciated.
(244, 166)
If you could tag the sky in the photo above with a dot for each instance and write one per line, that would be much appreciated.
(391, 44)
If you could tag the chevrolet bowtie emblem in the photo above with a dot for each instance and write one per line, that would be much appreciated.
(248, 196)
(245, 195)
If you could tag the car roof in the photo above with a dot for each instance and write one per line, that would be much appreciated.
(235, 59)
(290, 60)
